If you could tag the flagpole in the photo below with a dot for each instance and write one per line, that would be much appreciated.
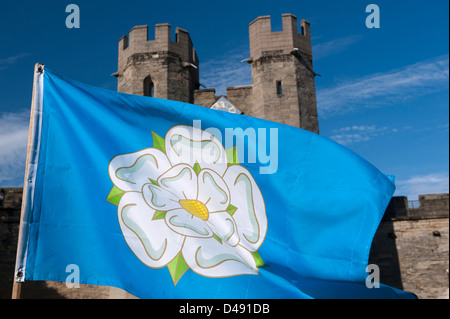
(17, 285)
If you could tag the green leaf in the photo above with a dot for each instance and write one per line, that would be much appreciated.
(231, 209)
(177, 267)
(153, 182)
(159, 214)
(197, 168)
(158, 142)
(232, 155)
(115, 195)
(217, 238)
(258, 259)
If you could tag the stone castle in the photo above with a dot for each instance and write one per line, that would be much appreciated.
(282, 87)
(411, 244)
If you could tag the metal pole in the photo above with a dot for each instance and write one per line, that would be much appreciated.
(17, 285)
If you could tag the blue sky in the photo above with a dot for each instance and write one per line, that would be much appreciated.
(383, 93)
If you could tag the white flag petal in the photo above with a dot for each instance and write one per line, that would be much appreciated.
(212, 191)
(150, 240)
(159, 198)
(250, 215)
(129, 172)
(210, 258)
(191, 145)
(223, 225)
(181, 181)
(183, 223)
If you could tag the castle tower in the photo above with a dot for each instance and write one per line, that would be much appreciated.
(161, 67)
(283, 87)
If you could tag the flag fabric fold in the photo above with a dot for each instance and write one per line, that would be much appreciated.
(166, 199)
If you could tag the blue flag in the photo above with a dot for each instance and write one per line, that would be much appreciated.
(171, 200)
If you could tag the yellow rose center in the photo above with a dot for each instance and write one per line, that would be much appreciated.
(194, 207)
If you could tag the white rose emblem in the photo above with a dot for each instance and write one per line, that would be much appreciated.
(187, 203)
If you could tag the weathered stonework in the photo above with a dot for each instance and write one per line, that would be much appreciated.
(411, 246)
(206, 97)
(412, 257)
(170, 66)
(282, 87)
(242, 97)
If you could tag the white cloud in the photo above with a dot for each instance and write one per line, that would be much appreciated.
(321, 50)
(359, 133)
(13, 148)
(384, 88)
(423, 184)
(226, 71)
(6, 62)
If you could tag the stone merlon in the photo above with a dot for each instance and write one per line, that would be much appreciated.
(137, 42)
(262, 39)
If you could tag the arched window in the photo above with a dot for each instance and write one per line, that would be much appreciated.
(149, 87)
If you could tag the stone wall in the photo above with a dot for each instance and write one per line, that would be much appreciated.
(413, 255)
(411, 246)
(242, 97)
(205, 97)
(9, 227)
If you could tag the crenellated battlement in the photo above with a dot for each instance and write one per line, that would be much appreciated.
(137, 42)
(263, 40)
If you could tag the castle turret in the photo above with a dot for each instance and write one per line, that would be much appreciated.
(283, 87)
(161, 67)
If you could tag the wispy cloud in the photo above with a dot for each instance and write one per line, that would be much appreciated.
(359, 133)
(13, 148)
(383, 88)
(6, 62)
(321, 50)
(423, 184)
(226, 71)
